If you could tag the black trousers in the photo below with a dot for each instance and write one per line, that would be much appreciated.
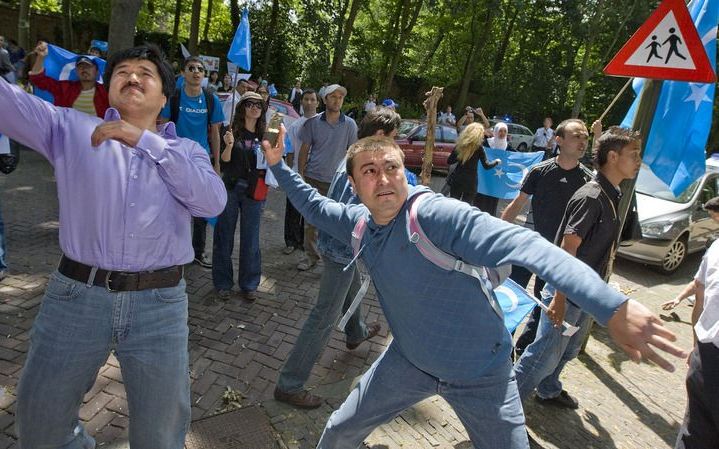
(199, 235)
(294, 227)
(700, 429)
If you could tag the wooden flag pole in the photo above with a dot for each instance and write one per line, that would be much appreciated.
(430, 106)
(616, 98)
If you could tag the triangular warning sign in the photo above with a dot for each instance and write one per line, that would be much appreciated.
(667, 46)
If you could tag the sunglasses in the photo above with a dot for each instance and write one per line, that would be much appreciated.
(253, 104)
(196, 68)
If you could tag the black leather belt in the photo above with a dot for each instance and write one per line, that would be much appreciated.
(121, 281)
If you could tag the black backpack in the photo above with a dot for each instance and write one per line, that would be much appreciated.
(175, 105)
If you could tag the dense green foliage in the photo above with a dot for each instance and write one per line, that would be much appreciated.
(527, 58)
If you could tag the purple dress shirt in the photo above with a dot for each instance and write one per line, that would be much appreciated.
(121, 208)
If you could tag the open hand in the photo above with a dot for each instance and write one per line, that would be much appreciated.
(118, 130)
(273, 155)
(638, 332)
(669, 305)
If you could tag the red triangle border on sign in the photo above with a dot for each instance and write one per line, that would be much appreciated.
(703, 71)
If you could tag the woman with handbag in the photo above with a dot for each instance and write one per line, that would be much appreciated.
(246, 194)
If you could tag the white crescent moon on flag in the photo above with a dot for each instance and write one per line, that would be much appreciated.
(66, 71)
(509, 294)
(524, 170)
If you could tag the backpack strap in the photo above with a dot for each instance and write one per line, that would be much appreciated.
(210, 102)
(357, 235)
(488, 279)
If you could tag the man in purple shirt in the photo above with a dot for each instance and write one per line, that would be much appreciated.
(127, 190)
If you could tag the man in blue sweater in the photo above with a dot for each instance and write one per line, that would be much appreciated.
(447, 338)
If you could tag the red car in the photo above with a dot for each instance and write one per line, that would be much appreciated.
(445, 138)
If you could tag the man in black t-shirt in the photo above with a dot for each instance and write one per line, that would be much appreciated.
(550, 184)
(589, 230)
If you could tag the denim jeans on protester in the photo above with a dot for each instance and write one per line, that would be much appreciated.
(489, 407)
(542, 362)
(249, 212)
(3, 248)
(72, 336)
(337, 290)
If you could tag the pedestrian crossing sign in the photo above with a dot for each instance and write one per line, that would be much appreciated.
(667, 46)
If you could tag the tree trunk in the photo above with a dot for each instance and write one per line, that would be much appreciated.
(390, 42)
(23, 27)
(67, 39)
(499, 60)
(408, 23)
(435, 45)
(271, 31)
(479, 39)
(208, 19)
(234, 15)
(175, 30)
(123, 17)
(195, 27)
(340, 51)
(339, 22)
(587, 71)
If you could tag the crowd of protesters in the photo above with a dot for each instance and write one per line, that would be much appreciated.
(213, 164)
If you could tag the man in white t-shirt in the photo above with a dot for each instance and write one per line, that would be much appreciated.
(371, 104)
(294, 223)
(543, 139)
(700, 428)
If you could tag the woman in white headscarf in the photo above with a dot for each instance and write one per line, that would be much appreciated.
(499, 139)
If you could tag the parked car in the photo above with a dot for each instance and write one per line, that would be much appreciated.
(519, 137)
(445, 138)
(405, 126)
(672, 226)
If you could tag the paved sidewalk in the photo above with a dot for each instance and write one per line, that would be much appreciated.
(240, 346)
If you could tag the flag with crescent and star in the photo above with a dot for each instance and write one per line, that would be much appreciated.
(505, 180)
(675, 149)
(515, 301)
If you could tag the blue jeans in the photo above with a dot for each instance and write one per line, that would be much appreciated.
(489, 407)
(542, 361)
(3, 249)
(75, 330)
(337, 290)
(250, 213)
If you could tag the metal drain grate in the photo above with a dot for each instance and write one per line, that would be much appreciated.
(247, 428)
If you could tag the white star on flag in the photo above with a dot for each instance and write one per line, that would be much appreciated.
(698, 95)
(498, 172)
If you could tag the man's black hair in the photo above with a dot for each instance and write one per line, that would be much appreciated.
(309, 91)
(192, 59)
(383, 118)
(149, 52)
(712, 204)
(613, 139)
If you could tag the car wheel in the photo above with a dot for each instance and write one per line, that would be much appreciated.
(522, 147)
(675, 255)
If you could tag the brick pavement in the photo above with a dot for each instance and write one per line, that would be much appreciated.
(242, 346)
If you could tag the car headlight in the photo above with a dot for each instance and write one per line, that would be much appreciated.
(657, 229)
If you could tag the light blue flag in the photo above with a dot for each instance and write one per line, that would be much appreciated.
(515, 301)
(241, 48)
(505, 180)
(60, 64)
(100, 45)
(675, 148)
(272, 90)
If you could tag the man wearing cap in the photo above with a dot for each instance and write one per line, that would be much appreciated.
(389, 103)
(86, 94)
(325, 139)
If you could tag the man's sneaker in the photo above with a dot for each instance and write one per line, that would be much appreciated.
(203, 261)
(564, 400)
(300, 399)
(288, 250)
(306, 264)
(248, 296)
(224, 295)
(372, 330)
